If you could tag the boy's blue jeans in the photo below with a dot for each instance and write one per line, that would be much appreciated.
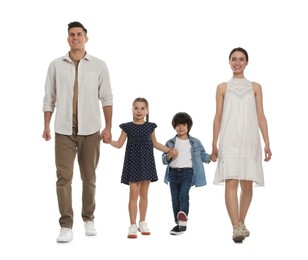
(180, 180)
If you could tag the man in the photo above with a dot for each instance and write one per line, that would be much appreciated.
(74, 86)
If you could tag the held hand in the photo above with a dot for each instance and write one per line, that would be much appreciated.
(174, 153)
(214, 155)
(106, 136)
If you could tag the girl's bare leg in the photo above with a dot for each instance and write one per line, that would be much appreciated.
(133, 199)
(143, 203)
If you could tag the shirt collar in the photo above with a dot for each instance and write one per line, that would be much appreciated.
(67, 57)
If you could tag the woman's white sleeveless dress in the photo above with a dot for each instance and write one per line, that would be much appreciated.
(239, 147)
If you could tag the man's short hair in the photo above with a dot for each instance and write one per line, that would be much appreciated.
(77, 24)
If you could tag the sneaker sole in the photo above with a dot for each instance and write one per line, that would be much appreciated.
(63, 242)
(238, 239)
(90, 233)
(176, 233)
(182, 218)
(132, 236)
(145, 233)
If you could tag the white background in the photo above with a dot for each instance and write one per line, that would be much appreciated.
(174, 53)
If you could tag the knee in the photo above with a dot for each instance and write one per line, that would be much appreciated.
(63, 182)
(232, 184)
(246, 186)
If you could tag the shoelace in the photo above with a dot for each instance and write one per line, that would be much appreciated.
(242, 226)
(236, 228)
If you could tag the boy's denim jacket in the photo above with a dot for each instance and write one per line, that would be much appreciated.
(198, 156)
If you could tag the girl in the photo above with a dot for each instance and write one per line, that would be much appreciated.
(139, 167)
(239, 116)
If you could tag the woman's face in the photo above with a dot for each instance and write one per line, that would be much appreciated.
(238, 62)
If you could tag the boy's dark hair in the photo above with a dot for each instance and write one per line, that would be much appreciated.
(182, 118)
(77, 24)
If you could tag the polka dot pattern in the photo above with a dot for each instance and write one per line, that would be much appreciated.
(139, 162)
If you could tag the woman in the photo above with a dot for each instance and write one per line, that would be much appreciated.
(238, 119)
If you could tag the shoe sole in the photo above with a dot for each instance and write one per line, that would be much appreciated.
(132, 236)
(238, 239)
(90, 235)
(63, 242)
(176, 233)
(67, 240)
(182, 218)
(145, 233)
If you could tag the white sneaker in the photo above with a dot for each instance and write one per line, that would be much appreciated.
(66, 235)
(132, 231)
(143, 228)
(90, 229)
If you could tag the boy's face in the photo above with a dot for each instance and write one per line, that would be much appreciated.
(181, 130)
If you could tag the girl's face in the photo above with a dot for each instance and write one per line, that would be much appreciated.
(140, 110)
(238, 62)
(181, 130)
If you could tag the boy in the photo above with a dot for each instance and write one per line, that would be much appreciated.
(185, 170)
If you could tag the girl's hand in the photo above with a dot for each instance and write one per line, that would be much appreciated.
(172, 153)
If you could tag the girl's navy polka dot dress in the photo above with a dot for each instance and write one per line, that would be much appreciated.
(139, 161)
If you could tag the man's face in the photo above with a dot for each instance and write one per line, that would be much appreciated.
(77, 38)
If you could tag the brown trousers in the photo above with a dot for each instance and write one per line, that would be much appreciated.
(87, 149)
